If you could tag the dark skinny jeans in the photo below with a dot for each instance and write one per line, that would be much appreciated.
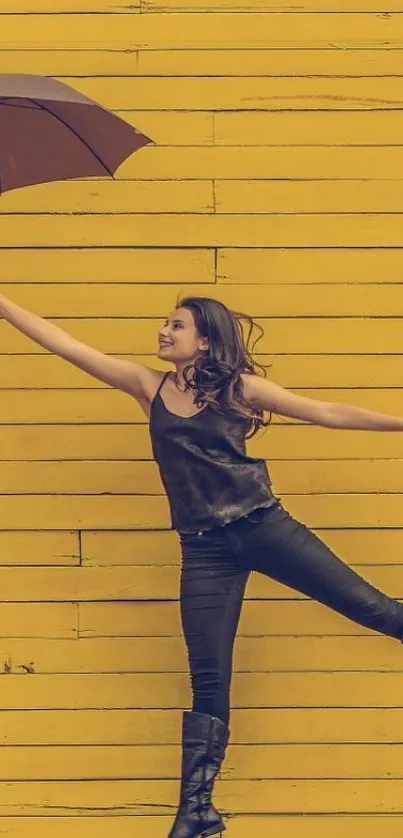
(215, 568)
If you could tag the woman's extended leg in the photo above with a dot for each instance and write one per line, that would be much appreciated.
(290, 552)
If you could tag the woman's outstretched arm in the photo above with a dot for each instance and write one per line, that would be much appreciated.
(267, 395)
(125, 375)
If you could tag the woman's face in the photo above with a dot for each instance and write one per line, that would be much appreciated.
(184, 343)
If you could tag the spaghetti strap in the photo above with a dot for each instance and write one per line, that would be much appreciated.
(161, 382)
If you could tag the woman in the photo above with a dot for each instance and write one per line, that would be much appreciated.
(228, 520)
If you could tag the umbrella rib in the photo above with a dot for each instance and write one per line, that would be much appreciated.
(48, 110)
(4, 103)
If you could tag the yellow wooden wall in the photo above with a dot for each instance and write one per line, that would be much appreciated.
(275, 185)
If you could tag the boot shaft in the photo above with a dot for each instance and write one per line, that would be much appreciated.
(204, 741)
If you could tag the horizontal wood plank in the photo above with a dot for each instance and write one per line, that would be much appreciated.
(259, 162)
(318, 196)
(313, 128)
(300, 334)
(113, 406)
(196, 265)
(203, 231)
(253, 93)
(72, 7)
(207, 196)
(135, 511)
(327, 61)
(282, 440)
(38, 619)
(138, 477)
(168, 654)
(125, 7)
(159, 547)
(367, 230)
(249, 762)
(57, 798)
(308, 265)
(222, 30)
(251, 689)
(296, 617)
(109, 300)
(308, 6)
(39, 548)
(144, 265)
(111, 197)
(27, 584)
(260, 726)
(157, 826)
(241, 62)
(292, 371)
(153, 547)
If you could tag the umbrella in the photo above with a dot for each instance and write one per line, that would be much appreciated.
(49, 131)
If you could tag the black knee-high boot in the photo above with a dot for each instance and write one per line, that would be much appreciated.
(204, 740)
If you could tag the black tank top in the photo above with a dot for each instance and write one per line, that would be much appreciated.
(207, 475)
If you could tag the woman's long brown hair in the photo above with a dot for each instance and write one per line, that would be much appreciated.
(216, 376)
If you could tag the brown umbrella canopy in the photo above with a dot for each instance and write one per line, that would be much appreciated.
(48, 131)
